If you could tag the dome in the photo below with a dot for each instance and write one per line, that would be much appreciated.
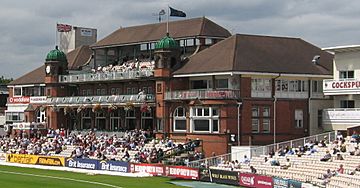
(166, 43)
(56, 55)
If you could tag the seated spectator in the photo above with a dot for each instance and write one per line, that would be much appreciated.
(237, 164)
(253, 170)
(245, 160)
(357, 151)
(339, 136)
(272, 153)
(335, 151)
(275, 162)
(326, 157)
(340, 170)
(339, 157)
(328, 174)
(287, 164)
(355, 137)
(322, 143)
(357, 169)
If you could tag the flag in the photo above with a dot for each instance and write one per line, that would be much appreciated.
(63, 27)
(177, 13)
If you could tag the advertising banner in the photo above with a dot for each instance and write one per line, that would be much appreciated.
(19, 100)
(117, 166)
(263, 182)
(90, 164)
(35, 159)
(294, 184)
(224, 177)
(280, 183)
(254, 180)
(154, 169)
(247, 180)
(182, 172)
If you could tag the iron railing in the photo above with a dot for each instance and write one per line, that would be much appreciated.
(110, 99)
(261, 150)
(202, 94)
(105, 76)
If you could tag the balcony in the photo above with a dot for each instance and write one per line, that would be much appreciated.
(341, 86)
(113, 99)
(202, 94)
(341, 118)
(105, 76)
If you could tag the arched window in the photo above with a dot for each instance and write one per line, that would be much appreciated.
(180, 119)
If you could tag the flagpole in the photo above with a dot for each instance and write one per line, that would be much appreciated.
(56, 34)
(167, 23)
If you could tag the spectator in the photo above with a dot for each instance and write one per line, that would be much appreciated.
(339, 157)
(340, 170)
(245, 160)
(326, 157)
(253, 170)
(287, 164)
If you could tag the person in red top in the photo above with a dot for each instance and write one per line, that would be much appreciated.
(340, 170)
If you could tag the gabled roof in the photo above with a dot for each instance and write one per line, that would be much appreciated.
(154, 32)
(252, 53)
(76, 58)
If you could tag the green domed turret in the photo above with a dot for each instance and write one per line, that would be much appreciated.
(166, 43)
(56, 55)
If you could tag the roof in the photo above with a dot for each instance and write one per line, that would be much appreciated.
(154, 32)
(36, 76)
(263, 54)
(76, 58)
(347, 48)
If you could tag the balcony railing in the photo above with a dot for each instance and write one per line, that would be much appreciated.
(202, 94)
(341, 116)
(341, 86)
(105, 76)
(113, 99)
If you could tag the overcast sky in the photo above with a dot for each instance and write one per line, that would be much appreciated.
(27, 28)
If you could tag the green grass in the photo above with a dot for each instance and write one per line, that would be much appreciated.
(16, 177)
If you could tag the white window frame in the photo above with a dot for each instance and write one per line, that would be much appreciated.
(21, 92)
(195, 115)
(181, 118)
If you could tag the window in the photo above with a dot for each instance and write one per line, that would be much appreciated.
(103, 91)
(89, 92)
(291, 85)
(150, 90)
(261, 119)
(128, 91)
(180, 119)
(208, 41)
(84, 92)
(17, 91)
(299, 123)
(160, 125)
(266, 126)
(346, 74)
(258, 84)
(201, 84)
(98, 91)
(14, 116)
(255, 125)
(347, 104)
(204, 119)
(317, 86)
(190, 42)
(113, 91)
(118, 91)
(143, 47)
(221, 84)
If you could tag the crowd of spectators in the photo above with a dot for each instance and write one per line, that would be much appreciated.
(130, 65)
(133, 146)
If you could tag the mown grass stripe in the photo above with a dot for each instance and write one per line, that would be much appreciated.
(60, 178)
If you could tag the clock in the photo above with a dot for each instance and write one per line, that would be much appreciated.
(48, 69)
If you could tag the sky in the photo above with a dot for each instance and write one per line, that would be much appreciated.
(27, 28)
